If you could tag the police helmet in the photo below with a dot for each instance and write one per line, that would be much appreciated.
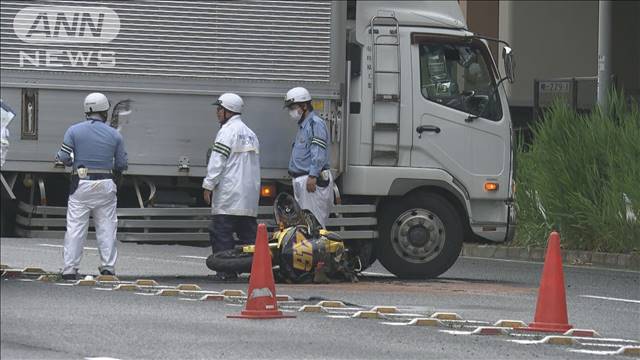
(296, 95)
(96, 102)
(231, 102)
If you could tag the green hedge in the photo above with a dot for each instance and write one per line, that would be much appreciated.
(581, 175)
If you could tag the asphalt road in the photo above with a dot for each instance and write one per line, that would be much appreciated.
(49, 321)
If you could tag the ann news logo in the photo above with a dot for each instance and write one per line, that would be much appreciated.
(50, 28)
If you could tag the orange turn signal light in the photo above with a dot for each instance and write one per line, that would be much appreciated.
(490, 186)
(268, 190)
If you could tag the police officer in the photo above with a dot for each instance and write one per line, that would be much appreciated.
(233, 178)
(94, 150)
(309, 162)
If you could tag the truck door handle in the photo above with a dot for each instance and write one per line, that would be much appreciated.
(432, 128)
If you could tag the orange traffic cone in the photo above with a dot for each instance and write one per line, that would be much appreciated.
(261, 298)
(551, 309)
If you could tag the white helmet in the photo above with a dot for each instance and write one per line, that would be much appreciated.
(231, 102)
(297, 95)
(96, 102)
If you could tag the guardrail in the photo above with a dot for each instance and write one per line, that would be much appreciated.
(182, 225)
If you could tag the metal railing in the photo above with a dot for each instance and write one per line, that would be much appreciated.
(182, 225)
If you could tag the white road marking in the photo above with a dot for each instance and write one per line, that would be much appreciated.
(611, 298)
(100, 358)
(594, 267)
(456, 332)
(192, 257)
(594, 352)
(367, 273)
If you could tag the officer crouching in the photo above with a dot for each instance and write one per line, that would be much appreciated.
(95, 151)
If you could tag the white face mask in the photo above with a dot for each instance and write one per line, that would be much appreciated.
(295, 114)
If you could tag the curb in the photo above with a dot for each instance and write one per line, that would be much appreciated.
(569, 257)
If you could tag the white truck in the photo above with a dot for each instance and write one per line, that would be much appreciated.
(421, 136)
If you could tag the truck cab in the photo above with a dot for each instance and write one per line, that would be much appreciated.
(429, 127)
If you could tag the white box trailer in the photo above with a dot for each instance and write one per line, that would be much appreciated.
(421, 137)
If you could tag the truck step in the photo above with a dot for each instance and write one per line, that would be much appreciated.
(387, 98)
(385, 158)
(386, 126)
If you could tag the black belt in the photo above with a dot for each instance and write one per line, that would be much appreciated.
(296, 175)
(94, 177)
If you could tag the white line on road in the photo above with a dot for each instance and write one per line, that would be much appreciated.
(100, 358)
(192, 257)
(367, 273)
(586, 267)
(611, 298)
(594, 352)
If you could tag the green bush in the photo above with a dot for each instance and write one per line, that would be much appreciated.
(581, 175)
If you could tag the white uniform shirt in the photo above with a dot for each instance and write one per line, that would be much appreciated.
(233, 173)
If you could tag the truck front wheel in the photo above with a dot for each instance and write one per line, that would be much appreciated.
(420, 235)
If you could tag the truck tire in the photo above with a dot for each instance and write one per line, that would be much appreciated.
(420, 235)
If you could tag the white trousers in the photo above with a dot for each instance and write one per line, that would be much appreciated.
(97, 197)
(318, 202)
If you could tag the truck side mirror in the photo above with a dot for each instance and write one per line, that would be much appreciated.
(509, 63)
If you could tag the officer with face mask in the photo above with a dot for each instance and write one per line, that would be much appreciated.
(95, 151)
(309, 162)
(233, 178)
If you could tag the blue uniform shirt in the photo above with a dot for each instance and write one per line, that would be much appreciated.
(310, 151)
(94, 145)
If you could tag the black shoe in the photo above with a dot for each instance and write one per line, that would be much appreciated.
(107, 272)
(225, 276)
(73, 276)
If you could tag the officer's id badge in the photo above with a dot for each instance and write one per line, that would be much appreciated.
(83, 172)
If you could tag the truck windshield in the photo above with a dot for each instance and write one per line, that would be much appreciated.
(457, 76)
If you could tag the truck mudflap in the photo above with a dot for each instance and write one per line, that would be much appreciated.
(512, 224)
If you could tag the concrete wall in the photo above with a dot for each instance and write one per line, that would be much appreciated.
(626, 46)
(554, 39)
(482, 19)
(551, 39)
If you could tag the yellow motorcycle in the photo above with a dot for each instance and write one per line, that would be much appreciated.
(301, 250)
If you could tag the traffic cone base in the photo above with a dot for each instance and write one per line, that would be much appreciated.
(547, 327)
(255, 314)
(261, 298)
(551, 309)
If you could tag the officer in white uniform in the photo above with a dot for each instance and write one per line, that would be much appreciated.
(309, 162)
(95, 151)
(233, 178)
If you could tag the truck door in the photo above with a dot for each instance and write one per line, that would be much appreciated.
(459, 124)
